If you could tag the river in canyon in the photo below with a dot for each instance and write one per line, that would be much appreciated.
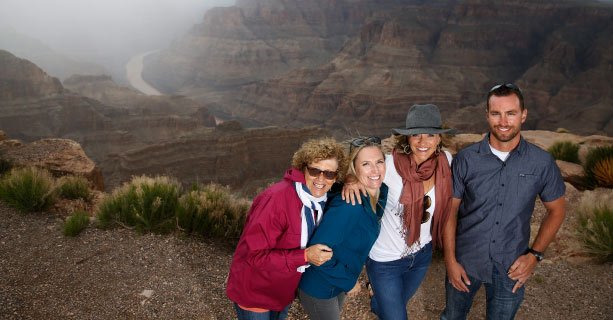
(134, 70)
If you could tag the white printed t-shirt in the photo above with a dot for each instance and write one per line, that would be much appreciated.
(390, 244)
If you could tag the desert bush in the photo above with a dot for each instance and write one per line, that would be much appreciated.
(74, 187)
(145, 203)
(5, 165)
(212, 210)
(28, 189)
(599, 167)
(565, 151)
(76, 223)
(596, 232)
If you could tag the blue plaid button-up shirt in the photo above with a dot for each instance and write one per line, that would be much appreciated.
(498, 199)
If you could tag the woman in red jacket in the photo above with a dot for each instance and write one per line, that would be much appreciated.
(271, 253)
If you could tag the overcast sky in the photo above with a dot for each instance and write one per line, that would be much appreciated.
(101, 27)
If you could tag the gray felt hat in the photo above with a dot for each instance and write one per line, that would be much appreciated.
(423, 118)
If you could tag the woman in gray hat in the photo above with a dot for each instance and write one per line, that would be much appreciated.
(418, 202)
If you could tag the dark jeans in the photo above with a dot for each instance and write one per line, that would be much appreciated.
(395, 282)
(501, 302)
(322, 309)
(243, 314)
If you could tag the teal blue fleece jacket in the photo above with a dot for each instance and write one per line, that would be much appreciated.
(350, 230)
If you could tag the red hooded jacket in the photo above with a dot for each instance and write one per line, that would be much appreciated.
(263, 272)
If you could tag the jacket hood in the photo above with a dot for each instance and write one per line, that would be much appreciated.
(294, 175)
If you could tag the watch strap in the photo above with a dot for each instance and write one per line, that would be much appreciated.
(539, 255)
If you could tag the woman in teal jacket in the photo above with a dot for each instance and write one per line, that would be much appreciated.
(350, 231)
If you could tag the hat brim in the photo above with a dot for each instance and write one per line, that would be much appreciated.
(412, 131)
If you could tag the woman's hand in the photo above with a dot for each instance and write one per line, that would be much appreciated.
(318, 254)
(356, 289)
(351, 190)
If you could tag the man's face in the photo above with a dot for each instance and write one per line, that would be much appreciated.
(505, 118)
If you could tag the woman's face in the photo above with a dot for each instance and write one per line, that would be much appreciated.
(423, 145)
(369, 167)
(315, 176)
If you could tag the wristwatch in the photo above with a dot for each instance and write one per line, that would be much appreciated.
(539, 255)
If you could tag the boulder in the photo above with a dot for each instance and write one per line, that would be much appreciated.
(460, 141)
(572, 173)
(59, 156)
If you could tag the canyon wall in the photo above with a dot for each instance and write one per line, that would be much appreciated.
(265, 62)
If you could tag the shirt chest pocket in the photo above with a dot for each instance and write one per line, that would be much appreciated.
(528, 185)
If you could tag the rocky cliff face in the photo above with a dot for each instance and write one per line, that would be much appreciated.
(447, 53)
(256, 40)
(24, 80)
(241, 158)
(127, 133)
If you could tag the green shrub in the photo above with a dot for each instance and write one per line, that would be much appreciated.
(596, 232)
(5, 165)
(147, 204)
(212, 211)
(76, 223)
(74, 187)
(565, 151)
(599, 167)
(28, 189)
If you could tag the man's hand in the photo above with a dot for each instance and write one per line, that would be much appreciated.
(457, 276)
(351, 190)
(522, 269)
(318, 254)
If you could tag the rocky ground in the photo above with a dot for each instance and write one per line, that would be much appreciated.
(119, 274)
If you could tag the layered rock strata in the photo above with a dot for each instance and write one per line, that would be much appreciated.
(393, 55)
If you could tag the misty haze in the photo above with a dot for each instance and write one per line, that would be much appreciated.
(100, 36)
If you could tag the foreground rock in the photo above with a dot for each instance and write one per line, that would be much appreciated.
(59, 156)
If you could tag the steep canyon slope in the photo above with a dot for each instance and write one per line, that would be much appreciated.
(357, 66)
(127, 133)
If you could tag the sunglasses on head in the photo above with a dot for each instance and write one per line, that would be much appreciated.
(314, 172)
(509, 86)
(362, 141)
(426, 215)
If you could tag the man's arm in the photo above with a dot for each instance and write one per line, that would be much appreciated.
(455, 272)
(523, 267)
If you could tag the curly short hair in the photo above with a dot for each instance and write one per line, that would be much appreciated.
(320, 149)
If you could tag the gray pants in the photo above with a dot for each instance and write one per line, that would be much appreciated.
(322, 309)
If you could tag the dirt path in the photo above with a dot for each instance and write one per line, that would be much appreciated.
(119, 274)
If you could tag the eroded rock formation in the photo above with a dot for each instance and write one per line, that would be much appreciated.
(394, 54)
(127, 133)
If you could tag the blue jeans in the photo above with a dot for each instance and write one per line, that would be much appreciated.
(243, 314)
(501, 302)
(395, 282)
